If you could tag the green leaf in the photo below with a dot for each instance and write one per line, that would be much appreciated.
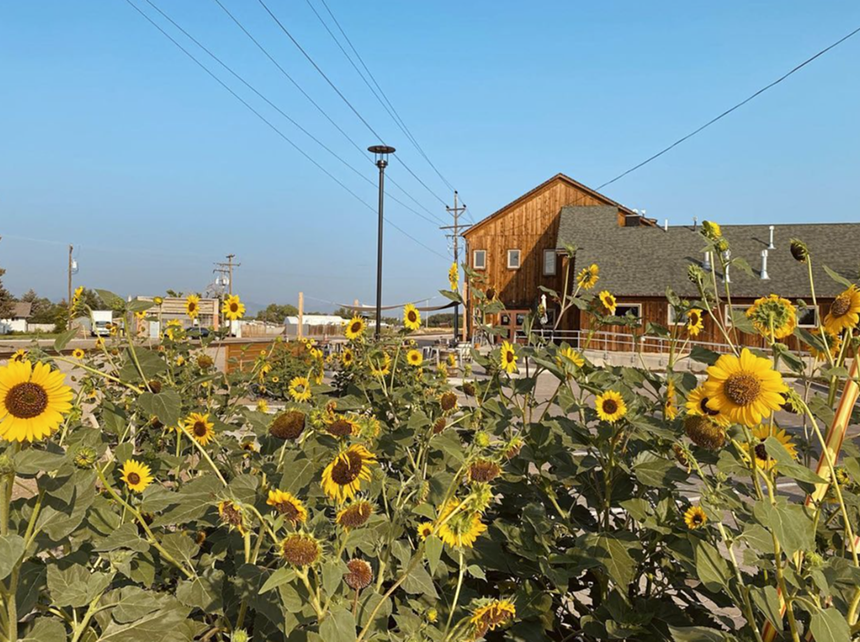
(703, 355)
(111, 300)
(433, 550)
(33, 461)
(613, 555)
(332, 575)
(829, 625)
(204, 591)
(281, 576)
(420, 582)
(135, 603)
(75, 586)
(841, 280)
(11, 550)
(711, 568)
(62, 341)
(46, 629)
(786, 465)
(164, 625)
(695, 634)
(655, 471)
(790, 523)
(166, 405)
(767, 600)
(339, 626)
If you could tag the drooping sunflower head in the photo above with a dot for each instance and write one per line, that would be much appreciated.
(695, 323)
(288, 425)
(484, 471)
(608, 301)
(610, 406)
(463, 528)
(833, 343)
(588, 277)
(705, 433)
(355, 328)
(233, 516)
(342, 427)
(670, 408)
(301, 549)
(342, 478)
(844, 312)
(414, 357)
(136, 475)
(695, 517)
(33, 400)
(491, 294)
(488, 615)
(300, 388)
(411, 317)
(758, 450)
(508, 357)
(380, 364)
(711, 230)
(448, 401)
(773, 314)
(359, 574)
(355, 514)
(200, 428)
(233, 308)
(347, 357)
(697, 405)
(454, 277)
(745, 389)
(567, 356)
(292, 508)
(192, 306)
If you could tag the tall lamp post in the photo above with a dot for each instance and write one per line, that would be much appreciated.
(381, 153)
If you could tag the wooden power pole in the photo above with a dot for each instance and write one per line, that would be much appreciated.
(227, 268)
(69, 299)
(456, 228)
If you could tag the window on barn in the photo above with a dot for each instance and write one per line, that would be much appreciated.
(549, 259)
(513, 259)
(808, 317)
(672, 319)
(628, 309)
(479, 259)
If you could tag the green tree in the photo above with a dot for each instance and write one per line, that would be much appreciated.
(7, 301)
(277, 313)
(43, 310)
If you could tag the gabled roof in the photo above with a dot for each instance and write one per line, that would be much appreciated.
(21, 310)
(644, 261)
(541, 187)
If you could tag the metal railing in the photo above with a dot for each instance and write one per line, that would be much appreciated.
(623, 342)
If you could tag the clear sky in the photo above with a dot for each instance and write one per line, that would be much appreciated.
(113, 140)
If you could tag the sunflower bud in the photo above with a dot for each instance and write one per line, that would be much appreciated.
(695, 273)
(482, 439)
(239, 636)
(204, 362)
(722, 246)
(814, 559)
(705, 433)
(85, 457)
(7, 466)
(711, 230)
(799, 250)
(431, 615)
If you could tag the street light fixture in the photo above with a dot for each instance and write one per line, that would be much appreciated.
(380, 153)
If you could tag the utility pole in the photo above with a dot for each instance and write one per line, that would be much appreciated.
(455, 235)
(380, 153)
(227, 268)
(69, 299)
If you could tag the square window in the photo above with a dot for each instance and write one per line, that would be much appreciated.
(628, 309)
(549, 260)
(513, 259)
(808, 317)
(479, 259)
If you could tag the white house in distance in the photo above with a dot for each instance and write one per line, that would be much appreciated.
(18, 321)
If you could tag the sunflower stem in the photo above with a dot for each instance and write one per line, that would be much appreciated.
(460, 577)
(206, 456)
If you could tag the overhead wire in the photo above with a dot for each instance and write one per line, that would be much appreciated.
(276, 130)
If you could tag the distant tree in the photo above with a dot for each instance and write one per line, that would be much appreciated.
(446, 319)
(7, 301)
(344, 313)
(277, 313)
(43, 310)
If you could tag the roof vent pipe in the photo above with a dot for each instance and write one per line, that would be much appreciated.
(695, 223)
(707, 263)
(771, 246)
(726, 256)
(666, 224)
(764, 276)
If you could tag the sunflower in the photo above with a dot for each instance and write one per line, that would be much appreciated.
(342, 427)
(695, 517)
(697, 405)
(745, 389)
(454, 277)
(262, 406)
(425, 530)
(380, 366)
(18, 355)
(569, 355)
(300, 388)
(588, 277)
(670, 409)
(233, 308)
(137, 476)
(834, 345)
(462, 529)
(355, 328)
(758, 451)
(354, 515)
(844, 311)
(695, 322)
(484, 471)
(291, 508)
(233, 515)
(288, 425)
(610, 406)
(773, 314)
(192, 306)
(342, 478)
(508, 357)
(276, 379)
(33, 400)
(77, 353)
(451, 360)
(411, 317)
(608, 301)
(490, 615)
(301, 549)
(199, 426)
(158, 300)
(414, 358)
(347, 357)
(359, 574)
(712, 230)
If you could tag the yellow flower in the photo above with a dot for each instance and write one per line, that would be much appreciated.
(608, 301)
(137, 476)
(100, 343)
(411, 317)
(695, 517)
(380, 364)
(508, 357)
(610, 406)
(414, 358)
(454, 277)
(569, 355)
(758, 451)
(18, 355)
(844, 311)
(342, 478)
(834, 345)
(233, 515)
(33, 400)
(712, 230)
(773, 314)
(192, 306)
(276, 379)
(158, 300)
(300, 388)
(425, 530)
(77, 353)
(347, 357)
(355, 328)
(200, 427)
(746, 389)
(698, 406)
(695, 322)
(262, 406)
(670, 409)
(355, 514)
(588, 277)
(292, 509)
(301, 549)
(492, 615)
(233, 308)
(461, 530)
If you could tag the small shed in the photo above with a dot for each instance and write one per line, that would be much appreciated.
(18, 321)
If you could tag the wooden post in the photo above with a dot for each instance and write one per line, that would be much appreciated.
(300, 330)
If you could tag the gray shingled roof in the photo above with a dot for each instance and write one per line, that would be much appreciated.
(644, 261)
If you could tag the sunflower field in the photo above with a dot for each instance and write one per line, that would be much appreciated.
(148, 496)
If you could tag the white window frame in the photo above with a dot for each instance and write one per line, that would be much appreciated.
(554, 255)
(483, 254)
(622, 304)
(671, 313)
(519, 259)
(815, 310)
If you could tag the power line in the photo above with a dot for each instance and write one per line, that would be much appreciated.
(274, 128)
(344, 98)
(729, 111)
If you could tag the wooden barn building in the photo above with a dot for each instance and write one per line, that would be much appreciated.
(521, 247)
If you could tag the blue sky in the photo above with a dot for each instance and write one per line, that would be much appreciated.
(113, 140)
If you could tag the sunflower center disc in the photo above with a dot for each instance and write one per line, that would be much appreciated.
(133, 479)
(26, 400)
(347, 469)
(288, 510)
(761, 452)
(742, 388)
(610, 406)
(840, 306)
(200, 429)
(703, 404)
